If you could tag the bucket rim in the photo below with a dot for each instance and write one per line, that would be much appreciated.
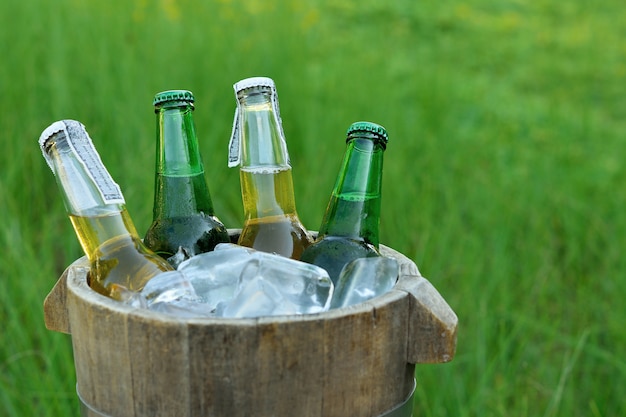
(77, 285)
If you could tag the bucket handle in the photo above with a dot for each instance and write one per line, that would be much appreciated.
(432, 323)
(55, 309)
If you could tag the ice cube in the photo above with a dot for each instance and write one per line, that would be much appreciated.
(183, 308)
(215, 275)
(233, 281)
(128, 297)
(167, 287)
(363, 279)
(180, 256)
(275, 285)
(256, 298)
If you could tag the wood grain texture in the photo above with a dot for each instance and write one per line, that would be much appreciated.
(354, 361)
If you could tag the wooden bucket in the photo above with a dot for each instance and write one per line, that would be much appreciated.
(353, 361)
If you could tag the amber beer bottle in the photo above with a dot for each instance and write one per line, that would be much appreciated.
(258, 144)
(184, 222)
(349, 229)
(96, 207)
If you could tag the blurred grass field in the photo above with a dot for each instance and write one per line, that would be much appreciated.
(503, 177)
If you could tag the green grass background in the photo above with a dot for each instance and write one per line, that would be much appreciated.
(504, 175)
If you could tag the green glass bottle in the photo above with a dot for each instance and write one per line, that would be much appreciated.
(96, 207)
(258, 144)
(350, 226)
(184, 223)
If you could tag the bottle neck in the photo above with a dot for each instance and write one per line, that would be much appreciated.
(181, 189)
(92, 199)
(177, 145)
(354, 207)
(262, 139)
(266, 178)
(86, 186)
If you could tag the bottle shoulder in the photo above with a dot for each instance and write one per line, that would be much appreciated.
(282, 234)
(124, 261)
(340, 248)
(332, 253)
(196, 233)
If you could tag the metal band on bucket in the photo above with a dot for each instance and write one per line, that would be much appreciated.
(88, 411)
(405, 409)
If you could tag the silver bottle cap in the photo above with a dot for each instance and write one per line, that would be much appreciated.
(254, 82)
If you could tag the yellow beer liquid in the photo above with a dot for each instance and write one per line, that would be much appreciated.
(117, 255)
(272, 224)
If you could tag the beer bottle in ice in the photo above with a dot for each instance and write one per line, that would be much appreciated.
(258, 144)
(96, 207)
(349, 229)
(184, 223)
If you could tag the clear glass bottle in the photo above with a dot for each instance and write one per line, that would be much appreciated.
(258, 145)
(184, 222)
(97, 210)
(350, 226)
